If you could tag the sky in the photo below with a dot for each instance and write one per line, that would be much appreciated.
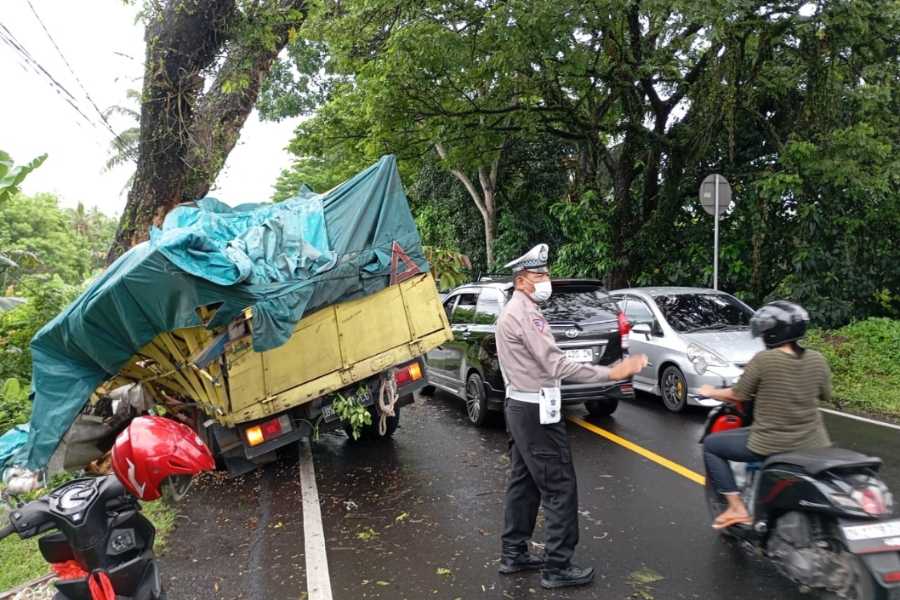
(104, 45)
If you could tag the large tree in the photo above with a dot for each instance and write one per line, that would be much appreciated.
(426, 81)
(204, 66)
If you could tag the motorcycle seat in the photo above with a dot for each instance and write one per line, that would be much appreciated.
(819, 460)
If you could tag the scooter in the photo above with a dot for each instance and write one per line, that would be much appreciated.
(101, 545)
(821, 516)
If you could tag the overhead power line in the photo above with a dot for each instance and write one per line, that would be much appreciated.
(119, 142)
(32, 64)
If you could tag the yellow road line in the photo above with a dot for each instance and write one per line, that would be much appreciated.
(660, 460)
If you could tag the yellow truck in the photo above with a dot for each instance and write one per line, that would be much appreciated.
(257, 324)
(254, 403)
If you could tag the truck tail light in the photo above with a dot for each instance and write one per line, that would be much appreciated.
(267, 430)
(408, 373)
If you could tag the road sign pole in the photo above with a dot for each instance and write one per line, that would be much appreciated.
(716, 240)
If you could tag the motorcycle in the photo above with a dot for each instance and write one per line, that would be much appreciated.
(98, 535)
(98, 542)
(821, 516)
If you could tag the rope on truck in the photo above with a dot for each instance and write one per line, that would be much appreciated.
(386, 405)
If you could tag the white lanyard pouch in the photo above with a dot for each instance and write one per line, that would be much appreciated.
(550, 405)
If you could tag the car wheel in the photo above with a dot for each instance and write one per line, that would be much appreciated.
(476, 400)
(428, 390)
(603, 407)
(673, 386)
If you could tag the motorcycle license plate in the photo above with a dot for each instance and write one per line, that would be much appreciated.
(856, 533)
(580, 355)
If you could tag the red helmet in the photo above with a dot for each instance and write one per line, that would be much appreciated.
(154, 448)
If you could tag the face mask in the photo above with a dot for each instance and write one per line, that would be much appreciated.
(542, 291)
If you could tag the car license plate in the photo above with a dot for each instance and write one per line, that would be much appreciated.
(328, 412)
(856, 533)
(580, 355)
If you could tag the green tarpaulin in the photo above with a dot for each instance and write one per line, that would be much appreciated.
(281, 259)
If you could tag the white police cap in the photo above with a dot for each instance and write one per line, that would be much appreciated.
(534, 260)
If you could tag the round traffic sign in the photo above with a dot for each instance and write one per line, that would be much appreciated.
(708, 194)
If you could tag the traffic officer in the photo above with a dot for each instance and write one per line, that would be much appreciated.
(541, 464)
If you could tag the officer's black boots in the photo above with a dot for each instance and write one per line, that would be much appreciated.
(523, 562)
(570, 576)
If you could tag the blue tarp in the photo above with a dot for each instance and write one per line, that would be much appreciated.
(10, 442)
(281, 259)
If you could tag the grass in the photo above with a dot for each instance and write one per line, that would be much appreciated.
(21, 561)
(865, 365)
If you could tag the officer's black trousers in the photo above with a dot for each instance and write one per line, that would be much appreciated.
(542, 473)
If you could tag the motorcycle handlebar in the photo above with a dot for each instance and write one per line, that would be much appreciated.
(7, 531)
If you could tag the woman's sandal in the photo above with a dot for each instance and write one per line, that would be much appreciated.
(727, 522)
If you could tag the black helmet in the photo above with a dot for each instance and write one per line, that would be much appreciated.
(779, 322)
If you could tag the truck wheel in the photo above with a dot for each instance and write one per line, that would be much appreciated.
(602, 407)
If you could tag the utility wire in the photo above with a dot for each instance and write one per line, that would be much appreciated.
(123, 147)
(10, 40)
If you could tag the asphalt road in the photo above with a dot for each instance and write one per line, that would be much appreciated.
(419, 516)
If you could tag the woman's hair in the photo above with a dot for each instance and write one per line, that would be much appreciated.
(797, 348)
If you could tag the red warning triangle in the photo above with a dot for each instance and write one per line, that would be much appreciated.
(411, 268)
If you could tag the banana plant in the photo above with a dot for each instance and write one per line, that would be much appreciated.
(11, 176)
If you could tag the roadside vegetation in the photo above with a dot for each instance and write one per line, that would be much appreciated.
(865, 365)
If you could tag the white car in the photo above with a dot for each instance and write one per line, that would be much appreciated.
(691, 336)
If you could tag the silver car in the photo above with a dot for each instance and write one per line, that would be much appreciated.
(691, 336)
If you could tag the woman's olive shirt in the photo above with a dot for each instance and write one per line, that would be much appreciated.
(786, 390)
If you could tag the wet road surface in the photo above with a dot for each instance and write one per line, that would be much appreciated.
(420, 516)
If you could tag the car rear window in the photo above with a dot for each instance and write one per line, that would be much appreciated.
(579, 304)
(699, 312)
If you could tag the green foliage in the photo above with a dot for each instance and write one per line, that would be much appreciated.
(12, 176)
(46, 239)
(351, 411)
(14, 405)
(607, 115)
(863, 359)
(449, 268)
(46, 297)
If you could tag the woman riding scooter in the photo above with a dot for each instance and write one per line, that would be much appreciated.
(785, 382)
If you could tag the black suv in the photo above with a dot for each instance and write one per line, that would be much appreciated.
(586, 322)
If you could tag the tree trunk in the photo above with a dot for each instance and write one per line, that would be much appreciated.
(186, 134)
(484, 199)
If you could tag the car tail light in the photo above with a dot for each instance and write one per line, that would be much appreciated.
(626, 388)
(892, 577)
(624, 330)
(408, 373)
(624, 325)
(267, 430)
(872, 500)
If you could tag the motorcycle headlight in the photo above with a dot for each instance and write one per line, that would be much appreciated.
(702, 358)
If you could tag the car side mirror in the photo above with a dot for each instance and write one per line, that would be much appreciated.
(643, 328)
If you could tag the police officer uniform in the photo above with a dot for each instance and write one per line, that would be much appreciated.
(541, 463)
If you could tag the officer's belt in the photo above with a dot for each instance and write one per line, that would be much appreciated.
(530, 397)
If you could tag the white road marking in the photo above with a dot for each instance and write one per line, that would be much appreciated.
(857, 418)
(318, 581)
